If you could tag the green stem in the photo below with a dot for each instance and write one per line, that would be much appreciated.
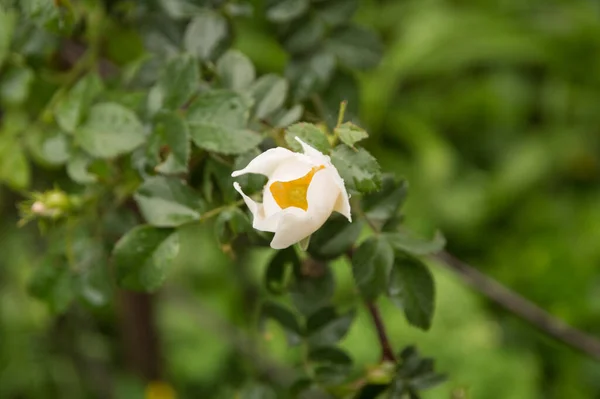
(214, 212)
(342, 113)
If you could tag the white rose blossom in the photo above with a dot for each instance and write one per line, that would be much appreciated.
(302, 192)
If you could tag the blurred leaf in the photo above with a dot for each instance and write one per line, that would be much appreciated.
(336, 12)
(110, 130)
(385, 203)
(51, 15)
(15, 84)
(351, 134)
(14, 168)
(178, 81)
(286, 117)
(371, 391)
(355, 47)
(411, 288)
(313, 286)
(282, 11)
(405, 242)
(56, 148)
(308, 133)
(277, 270)
(205, 34)
(326, 327)
(310, 74)
(359, 169)
(334, 238)
(231, 223)
(343, 86)
(217, 121)
(257, 391)
(235, 70)
(143, 256)
(8, 21)
(286, 319)
(71, 108)
(333, 365)
(53, 283)
(309, 35)
(269, 93)
(371, 266)
(168, 202)
(77, 169)
(173, 132)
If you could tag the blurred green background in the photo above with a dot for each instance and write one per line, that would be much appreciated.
(491, 110)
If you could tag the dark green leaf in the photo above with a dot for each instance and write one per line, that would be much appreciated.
(281, 11)
(385, 203)
(70, 109)
(278, 268)
(371, 391)
(269, 93)
(15, 85)
(308, 133)
(143, 256)
(205, 34)
(371, 266)
(351, 134)
(173, 132)
(168, 202)
(257, 391)
(177, 82)
(356, 47)
(308, 36)
(286, 319)
(412, 289)
(405, 242)
(230, 223)
(313, 286)
(326, 327)
(8, 21)
(235, 70)
(217, 122)
(110, 130)
(53, 283)
(285, 117)
(359, 169)
(336, 12)
(310, 74)
(333, 365)
(334, 238)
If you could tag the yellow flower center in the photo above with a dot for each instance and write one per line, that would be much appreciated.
(293, 193)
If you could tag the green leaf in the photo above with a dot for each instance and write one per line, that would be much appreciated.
(276, 274)
(326, 327)
(334, 238)
(360, 171)
(405, 242)
(336, 12)
(309, 35)
(333, 365)
(412, 289)
(308, 133)
(168, 202)
(8, 21)
(71, 108)
(143, 256)
(230, 223)
(286, 319)
(371, 265)
(257, 391)
(282, 11)
(350, 134)
(14, 167)
(286, 117)
(355, 47)
(310, 74)
(235, 70)
(313, 286)
(205, 34)
(217, 121)
(269, 93)
(110, 130)
(55, 148)
(173, 132)
(178, 81)
(77, 169)
(15, 85)
(385, 203)
(53, 283)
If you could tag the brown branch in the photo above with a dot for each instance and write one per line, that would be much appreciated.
(521, 307)
(387, 353)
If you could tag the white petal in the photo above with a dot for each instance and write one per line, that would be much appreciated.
(294, 226)
(342, 205)
(269, 202)
(260, 221)
(267, 162)
(313, 153)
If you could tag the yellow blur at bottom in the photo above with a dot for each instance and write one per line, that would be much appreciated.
(159, 390)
